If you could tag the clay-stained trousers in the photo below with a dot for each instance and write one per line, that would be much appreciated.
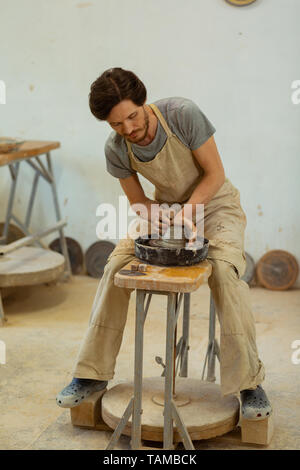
(240, 365)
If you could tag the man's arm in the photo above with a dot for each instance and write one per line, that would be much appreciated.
(214, 176)
(133, 190)
(135, 195)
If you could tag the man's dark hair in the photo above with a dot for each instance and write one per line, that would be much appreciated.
(112, 87)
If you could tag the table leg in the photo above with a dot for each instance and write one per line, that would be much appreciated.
(14, 174)
(31, 200)
(58, 217)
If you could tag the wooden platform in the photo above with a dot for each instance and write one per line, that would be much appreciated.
(89, 415)
(257, 432)
(164, 278)
(204, 411)
(30, 265)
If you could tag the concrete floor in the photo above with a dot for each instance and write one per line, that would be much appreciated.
(44, 329)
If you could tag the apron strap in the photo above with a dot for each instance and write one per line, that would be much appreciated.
(129, 146)
(161, 119)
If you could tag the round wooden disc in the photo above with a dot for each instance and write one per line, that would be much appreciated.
(74, 250)
(14, 232)
(250, 269)
(206, 413)
(240, 3)
(179, 399)
(29, 265)
(96, 257)
(277, 270)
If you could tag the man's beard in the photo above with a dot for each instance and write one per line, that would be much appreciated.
(146, 127)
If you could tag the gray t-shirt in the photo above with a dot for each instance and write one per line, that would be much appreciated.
(183, 117)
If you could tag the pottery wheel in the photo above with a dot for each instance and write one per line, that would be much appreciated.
(167, 243)
(204, 411)
(173, 240)
(170, 252)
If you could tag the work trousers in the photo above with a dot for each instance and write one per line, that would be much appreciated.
(240, 366)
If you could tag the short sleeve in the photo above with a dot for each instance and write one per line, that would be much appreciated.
(115, 165)
(195, 126)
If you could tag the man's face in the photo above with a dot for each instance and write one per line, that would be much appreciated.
(129, 120)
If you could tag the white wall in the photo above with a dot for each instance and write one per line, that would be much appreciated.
(236, 63)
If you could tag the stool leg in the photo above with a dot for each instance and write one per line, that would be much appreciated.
(211, 360)
(118, 431)
(169, 370)
(213, 349)
(138, 370)
(135, 404)
(185, 335)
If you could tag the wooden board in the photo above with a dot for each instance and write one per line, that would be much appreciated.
(257, 432)
(165, 278)
(30, 265)
(206, 413)
(30, 148)
(88, 413)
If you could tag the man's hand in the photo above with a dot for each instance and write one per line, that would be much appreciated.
(162, 217)
(153, 212)
(190, 230)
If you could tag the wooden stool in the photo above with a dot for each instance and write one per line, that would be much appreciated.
(197, 407)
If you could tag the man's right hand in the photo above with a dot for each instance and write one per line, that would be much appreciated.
(152, 211)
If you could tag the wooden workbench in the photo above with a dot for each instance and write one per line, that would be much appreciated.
(28, 149)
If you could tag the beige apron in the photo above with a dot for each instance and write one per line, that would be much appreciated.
(175, 173)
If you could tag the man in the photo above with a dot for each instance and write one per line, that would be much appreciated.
(171, 144)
